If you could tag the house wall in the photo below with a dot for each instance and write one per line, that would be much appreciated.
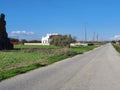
(35, 44)
(46, 39)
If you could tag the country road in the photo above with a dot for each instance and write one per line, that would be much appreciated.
(98, 69)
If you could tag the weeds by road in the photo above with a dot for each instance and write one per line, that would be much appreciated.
(26, 58)
(117, 47)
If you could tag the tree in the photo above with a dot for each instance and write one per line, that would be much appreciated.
(113, 41)
(14, 40)
(62, 40)
(24, 41)
(34, 41)
(119, 41)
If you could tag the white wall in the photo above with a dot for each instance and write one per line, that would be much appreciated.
(35, 44)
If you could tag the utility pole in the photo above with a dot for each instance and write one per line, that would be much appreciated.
(85, 30)
(97, 37)
(93, 36)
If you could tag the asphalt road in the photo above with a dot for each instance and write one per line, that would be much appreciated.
(95, 70)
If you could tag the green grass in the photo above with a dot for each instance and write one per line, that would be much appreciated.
(82, 49)
(20, 70)
(57, 58)
(10, 60)
(31, 57)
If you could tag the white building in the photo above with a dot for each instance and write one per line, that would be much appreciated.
(46, 40)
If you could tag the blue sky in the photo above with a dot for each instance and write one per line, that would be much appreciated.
(32, 19)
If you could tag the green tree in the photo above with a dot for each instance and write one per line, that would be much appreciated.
(119, 41)
(62, 40)
(113, 41)
(34, 41)
(14, 40)
(24, 41)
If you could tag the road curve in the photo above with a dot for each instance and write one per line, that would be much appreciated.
(98, 69)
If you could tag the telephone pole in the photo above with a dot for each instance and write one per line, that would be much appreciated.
(93, 36)
(85, 30)
(97, 37)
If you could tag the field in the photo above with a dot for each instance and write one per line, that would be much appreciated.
(26, 58)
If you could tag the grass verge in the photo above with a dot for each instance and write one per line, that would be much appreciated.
(28, 58)
(14, 72)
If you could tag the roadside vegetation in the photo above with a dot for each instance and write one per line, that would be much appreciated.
(116, 46)
(26, 58)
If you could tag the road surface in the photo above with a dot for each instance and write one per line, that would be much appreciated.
(95, 70)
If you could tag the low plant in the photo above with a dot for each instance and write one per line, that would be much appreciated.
(117, 47)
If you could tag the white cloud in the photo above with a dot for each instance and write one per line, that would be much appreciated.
(116, 37)
(13, 33)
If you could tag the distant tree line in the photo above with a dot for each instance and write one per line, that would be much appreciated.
(29, 41)
(13, 40)
(115, 41)
(57, 40)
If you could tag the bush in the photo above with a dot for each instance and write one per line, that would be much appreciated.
(117, 47)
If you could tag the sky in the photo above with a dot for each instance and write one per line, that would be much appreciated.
(32, 19)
